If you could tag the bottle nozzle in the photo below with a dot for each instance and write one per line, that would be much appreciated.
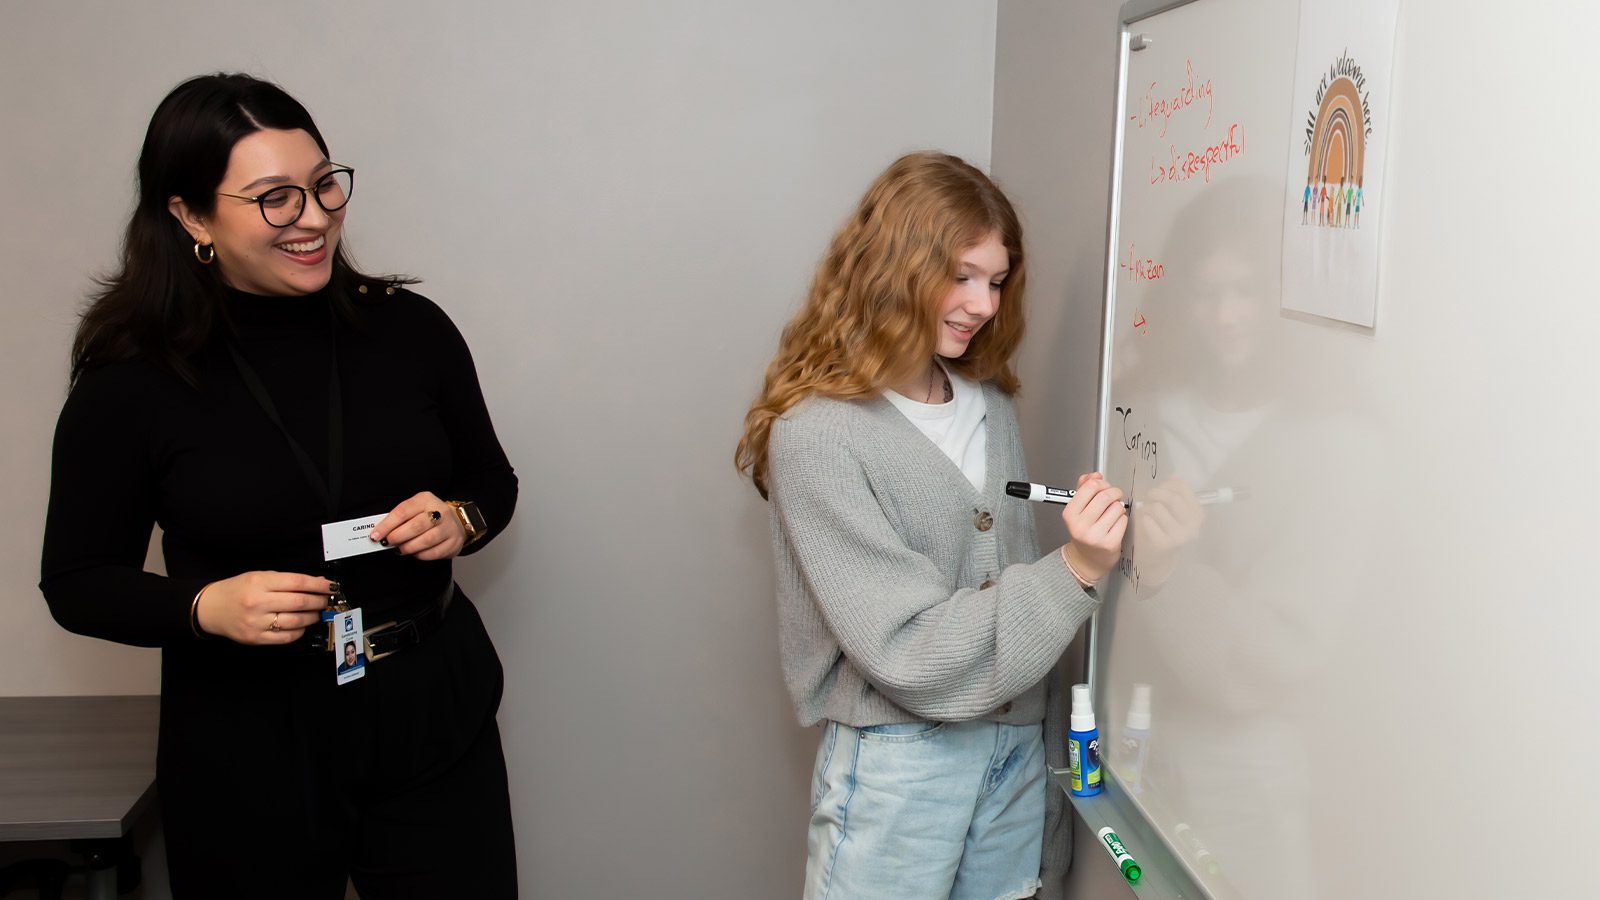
(1082, 708)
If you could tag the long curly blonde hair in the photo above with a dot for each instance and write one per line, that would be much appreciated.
(871, 318)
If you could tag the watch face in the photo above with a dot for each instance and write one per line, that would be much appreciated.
(474, 518)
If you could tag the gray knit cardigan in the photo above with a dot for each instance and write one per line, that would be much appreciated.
(904, 593)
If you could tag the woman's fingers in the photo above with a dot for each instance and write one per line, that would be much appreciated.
(1096, 508)
(286, 628)
(1107, 501)
(422, 526)
(441, 543)
(409, 529)
(293, 615)
(1118, 527)
(287, 583)
(403, 513)
(263, 607)
(291, 621)
(285, 615)
(294, 602)
(410, 518)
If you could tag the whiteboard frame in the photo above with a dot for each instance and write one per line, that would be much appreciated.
(1176, 865)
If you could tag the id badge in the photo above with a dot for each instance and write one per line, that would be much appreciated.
(349, 650)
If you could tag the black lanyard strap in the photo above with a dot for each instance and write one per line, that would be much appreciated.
(327, 490)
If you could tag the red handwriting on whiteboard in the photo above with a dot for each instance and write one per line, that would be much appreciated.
(1139, 323)
(1152, 107)
(1142, 269)
(1187, 165)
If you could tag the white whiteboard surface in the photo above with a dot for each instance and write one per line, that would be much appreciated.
(1374, 676)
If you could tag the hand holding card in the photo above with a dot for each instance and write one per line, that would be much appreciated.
(422, 526)
(262, 607)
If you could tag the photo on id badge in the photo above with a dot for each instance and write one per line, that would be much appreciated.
(347, 646)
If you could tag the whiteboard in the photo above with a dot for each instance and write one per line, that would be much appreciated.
(1371, 658)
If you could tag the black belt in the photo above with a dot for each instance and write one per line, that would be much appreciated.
(394, 635)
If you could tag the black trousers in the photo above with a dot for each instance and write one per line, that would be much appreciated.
(277, 783)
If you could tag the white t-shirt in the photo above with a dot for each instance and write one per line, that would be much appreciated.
(957, 428)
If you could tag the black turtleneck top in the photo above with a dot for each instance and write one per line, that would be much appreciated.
(135, 445)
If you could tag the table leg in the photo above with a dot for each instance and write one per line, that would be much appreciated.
(111, 866)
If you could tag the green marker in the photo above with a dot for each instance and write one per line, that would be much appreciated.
(1119, 853)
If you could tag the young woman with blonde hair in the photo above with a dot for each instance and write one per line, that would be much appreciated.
(918, 619)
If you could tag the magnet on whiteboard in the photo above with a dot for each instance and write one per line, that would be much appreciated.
(1137, 42)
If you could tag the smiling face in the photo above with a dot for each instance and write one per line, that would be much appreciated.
(974, 298)
(252, 255)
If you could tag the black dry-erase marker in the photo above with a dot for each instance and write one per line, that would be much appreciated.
(1043, 493)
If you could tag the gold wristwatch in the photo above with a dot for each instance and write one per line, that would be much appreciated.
(470, 517)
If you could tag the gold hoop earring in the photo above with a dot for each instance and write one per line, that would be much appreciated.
(207, 259)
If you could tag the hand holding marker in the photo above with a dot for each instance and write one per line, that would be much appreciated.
(1044, 493)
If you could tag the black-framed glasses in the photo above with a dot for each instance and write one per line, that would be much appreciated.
(282, 206)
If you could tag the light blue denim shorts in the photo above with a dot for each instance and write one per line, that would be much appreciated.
(926, 810)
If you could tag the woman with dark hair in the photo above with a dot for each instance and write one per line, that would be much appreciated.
(919, 621)
(238, 382)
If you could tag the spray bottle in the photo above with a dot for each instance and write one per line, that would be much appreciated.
(1083, 745)
(1135, 745)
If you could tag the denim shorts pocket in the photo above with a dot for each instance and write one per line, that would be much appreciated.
(901, 732)
(820, 772)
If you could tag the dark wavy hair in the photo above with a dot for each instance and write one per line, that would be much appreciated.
(162, 305)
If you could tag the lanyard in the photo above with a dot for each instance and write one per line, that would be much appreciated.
(327, 490)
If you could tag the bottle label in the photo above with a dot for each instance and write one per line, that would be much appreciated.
(1083, 764)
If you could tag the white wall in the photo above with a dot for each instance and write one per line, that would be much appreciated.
(619, 203)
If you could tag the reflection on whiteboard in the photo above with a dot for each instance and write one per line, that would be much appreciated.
(1247, 541)
(1336, 189)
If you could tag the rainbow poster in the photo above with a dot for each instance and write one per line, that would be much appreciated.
(1336, 186)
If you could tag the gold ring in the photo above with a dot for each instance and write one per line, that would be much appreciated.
(274, 625)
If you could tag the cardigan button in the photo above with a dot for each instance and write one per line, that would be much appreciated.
(1004, 708)
(987, 583)
(983, 521)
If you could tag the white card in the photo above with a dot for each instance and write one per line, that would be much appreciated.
(349, 538)
(349, 648)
